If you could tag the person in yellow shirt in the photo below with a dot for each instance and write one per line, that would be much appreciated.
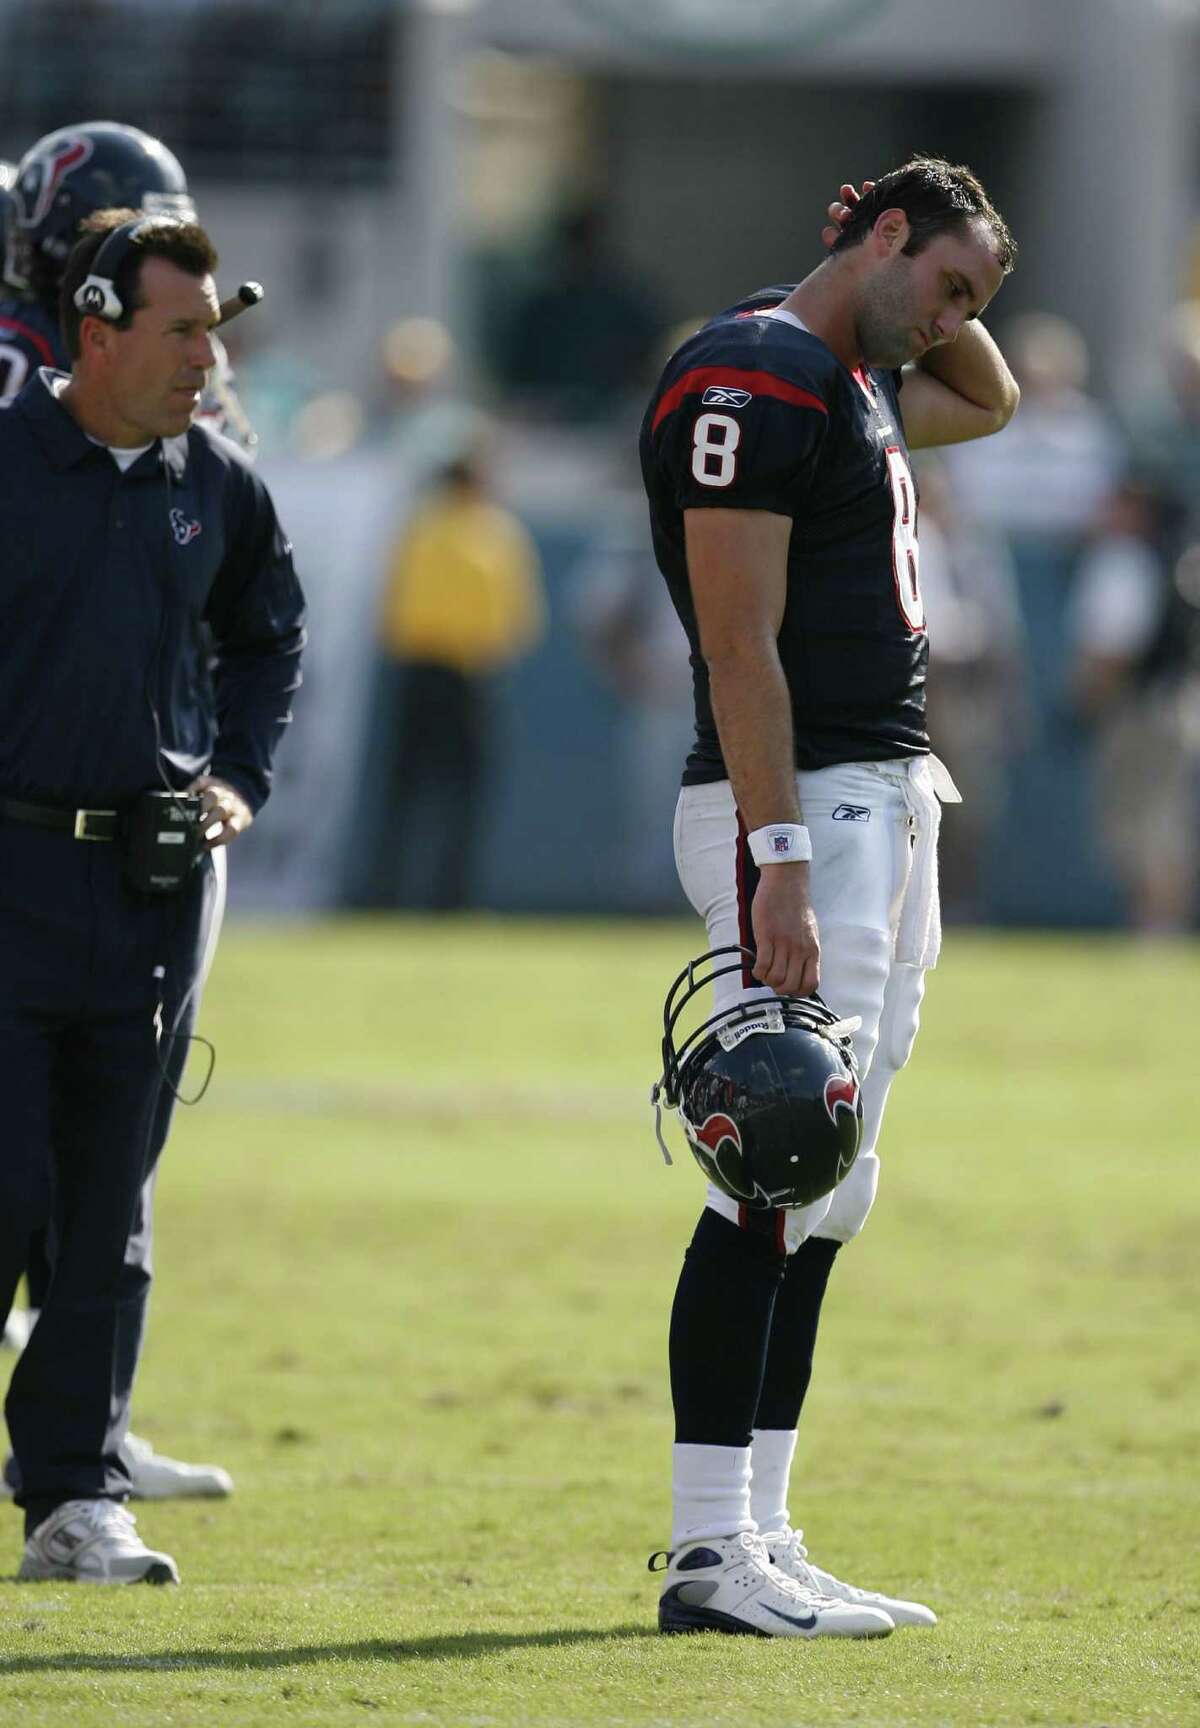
(463, 598)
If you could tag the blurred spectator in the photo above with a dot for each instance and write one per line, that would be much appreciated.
(1164, 434)
(1134, 637)
(421, 417)
(978, 703)
(1042, 484)
(622, 613)
(577, 341)
(1052, 469)
(463, 598)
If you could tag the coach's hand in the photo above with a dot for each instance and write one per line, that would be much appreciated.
(786, 939)
(224, 813)
(840, 210)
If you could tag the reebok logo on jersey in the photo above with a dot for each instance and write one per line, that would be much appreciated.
(184, 528)
(725, 396)
(852, 813)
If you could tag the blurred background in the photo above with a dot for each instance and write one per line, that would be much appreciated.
(483, 224)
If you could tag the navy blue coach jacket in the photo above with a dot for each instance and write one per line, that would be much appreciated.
(168, 589)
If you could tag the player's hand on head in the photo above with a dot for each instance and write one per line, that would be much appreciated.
(841, 210)
(224, 813)
(786, 940)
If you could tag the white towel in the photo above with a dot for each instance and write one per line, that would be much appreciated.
(919, 933)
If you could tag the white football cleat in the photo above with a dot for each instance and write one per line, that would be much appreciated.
(154, 1476)
(787, 1551)
(93, 1542)
(728, 1584)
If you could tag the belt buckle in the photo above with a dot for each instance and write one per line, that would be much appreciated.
(81, 824)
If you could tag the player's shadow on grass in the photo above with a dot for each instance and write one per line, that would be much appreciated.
(441, 1646)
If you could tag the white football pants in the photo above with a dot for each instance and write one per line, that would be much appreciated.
(874, 828)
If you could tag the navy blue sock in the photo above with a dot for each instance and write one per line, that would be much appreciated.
(794, 1334)
(720, 1324)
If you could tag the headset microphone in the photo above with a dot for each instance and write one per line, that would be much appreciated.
(249, 294)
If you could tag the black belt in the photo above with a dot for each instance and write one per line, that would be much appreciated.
(80, 824)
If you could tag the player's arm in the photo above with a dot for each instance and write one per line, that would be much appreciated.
(958, 391)
(737, 565)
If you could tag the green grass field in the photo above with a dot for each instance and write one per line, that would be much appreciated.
(416, 1251)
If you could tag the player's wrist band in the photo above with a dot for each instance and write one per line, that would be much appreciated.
(780, 843)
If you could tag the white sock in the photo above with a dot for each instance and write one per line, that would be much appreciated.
(710, 1492)
(771, 1466)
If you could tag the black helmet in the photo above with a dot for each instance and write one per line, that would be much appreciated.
(69, 174)
(767, 1091)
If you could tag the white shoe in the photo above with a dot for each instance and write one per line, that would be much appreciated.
(728, 1584)
(93, 1542)
(787, 1550)
(154, 1476)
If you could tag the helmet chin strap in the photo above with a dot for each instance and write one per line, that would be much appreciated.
(655, 1093)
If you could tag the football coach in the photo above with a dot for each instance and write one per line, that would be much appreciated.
(151, 627)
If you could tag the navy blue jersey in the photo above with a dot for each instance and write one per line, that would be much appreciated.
(149, 620)
(753, 412)
(29, 338)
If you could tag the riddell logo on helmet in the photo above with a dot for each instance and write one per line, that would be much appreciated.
(841, 1093)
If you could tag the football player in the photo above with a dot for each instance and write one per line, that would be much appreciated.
(775, 453)
(60, 181)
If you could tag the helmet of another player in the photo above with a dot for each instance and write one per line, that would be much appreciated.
(69, 174)
(767, 1091)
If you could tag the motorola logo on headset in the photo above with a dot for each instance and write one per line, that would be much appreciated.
(97, 293)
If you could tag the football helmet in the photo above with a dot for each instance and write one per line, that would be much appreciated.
(767, 1090)
(69, 174)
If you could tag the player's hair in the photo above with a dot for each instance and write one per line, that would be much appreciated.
(937, 198)
(184, 244)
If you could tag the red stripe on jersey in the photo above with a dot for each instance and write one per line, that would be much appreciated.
(757, 383)
(39, 342)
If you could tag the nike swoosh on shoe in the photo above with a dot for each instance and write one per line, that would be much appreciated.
(806, 1622)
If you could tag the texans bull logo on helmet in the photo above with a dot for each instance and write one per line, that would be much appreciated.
(710, 1138)
(709, 1141)
(43, 178)
(841, 1095)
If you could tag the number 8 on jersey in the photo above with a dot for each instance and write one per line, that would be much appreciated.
(714, 447)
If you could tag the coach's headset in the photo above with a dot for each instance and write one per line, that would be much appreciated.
(97, 297)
